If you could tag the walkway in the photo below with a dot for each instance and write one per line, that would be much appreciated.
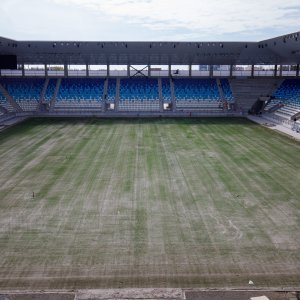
(274, 126)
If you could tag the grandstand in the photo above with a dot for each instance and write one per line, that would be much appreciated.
(112, 92)
(144, 91)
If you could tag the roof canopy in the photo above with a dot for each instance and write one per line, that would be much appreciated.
(280, 50)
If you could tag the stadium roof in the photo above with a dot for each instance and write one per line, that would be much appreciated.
(280, 50)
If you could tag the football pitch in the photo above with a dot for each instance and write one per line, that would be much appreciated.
(148, 203)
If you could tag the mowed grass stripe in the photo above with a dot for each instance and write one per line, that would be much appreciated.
(244, 169)
(185, 202)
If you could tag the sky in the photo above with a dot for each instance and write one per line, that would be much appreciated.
(148, 20)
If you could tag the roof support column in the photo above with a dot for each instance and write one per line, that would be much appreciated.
(275, 71)
(230, 70)
(87, 73)
(211, 70)
(46, 70)
(297, 70)
(149, 71)
(107, 70)
(190, 70)
(280, 71)
(65, 70)
(23, 70)
(128, 70)
(252, 71)
(170, 70)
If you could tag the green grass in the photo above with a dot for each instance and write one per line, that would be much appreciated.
(148, 203)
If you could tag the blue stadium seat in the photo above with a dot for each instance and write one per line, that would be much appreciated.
(226, 90)
(25, 91)
(166, 90)
(289, 92)
(139, 89)
(111, 90)
(196, 90)
(139, 94)
(80, 89)
(50, 90)
(5, 104)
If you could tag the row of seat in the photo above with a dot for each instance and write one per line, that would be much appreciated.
(78, 89)
(111, 91)
(166, 90)
(228, 96)
(74, 91)
(50, 90)
(141, 89)
(23, 88)
(289, 92)
(286, 102)
(5, 104)
(196, 89)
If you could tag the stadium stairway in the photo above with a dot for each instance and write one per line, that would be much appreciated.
(221, 92)
(272, 105)
(50, 90)
(42, 97)
(105, 90)
(16, 107)
(247, 91)
(3, 110)
(160, 96)
(173, 99)
(166, 90)
(5, 106)
(117, 100)
(288, 111)
(53, 100)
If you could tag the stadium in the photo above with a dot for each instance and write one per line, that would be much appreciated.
(167, 166)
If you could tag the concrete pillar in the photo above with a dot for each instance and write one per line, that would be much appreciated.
(211, 70)
(298, 70)
(275, 71)
(230, 70)
(252, 70)
(87, 73)
(190, 70)
(170, 70)
(107, 70)
(280, 71)
(46, 70)
(128, 70)
(149, 70)
(65, 70)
